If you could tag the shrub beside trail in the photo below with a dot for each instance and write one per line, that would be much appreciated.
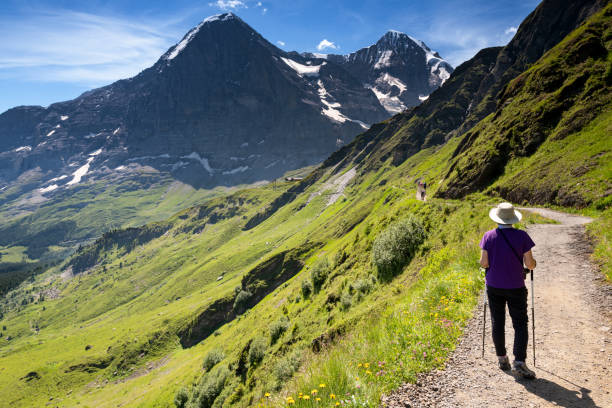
(394, 247)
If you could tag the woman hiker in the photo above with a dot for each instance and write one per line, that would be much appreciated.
(504, 250)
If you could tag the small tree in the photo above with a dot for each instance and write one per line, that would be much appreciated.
(286, 367)
(319, 273)
(278, 328)
(241, 301)
(181, 398)
(306, 288)
(257, 350)
(211, 386)
(213, 357)
(346, 301)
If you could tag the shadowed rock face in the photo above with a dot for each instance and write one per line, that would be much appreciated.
(222, 107)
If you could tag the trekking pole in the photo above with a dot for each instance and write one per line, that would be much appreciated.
(484, 314)
(532, 320)
(484, 320)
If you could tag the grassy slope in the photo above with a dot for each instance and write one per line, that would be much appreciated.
(601, 233)
(130, 307)
(548, 141)
(163, 283)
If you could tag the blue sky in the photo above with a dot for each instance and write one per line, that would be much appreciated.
(54, 50)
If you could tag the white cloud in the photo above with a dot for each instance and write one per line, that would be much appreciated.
(326, 44)
(510, 30)
(228, 4)
(264, 11)
(69, 46)
(259, 4)
(281, 43)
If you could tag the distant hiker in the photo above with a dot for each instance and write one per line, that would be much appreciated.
(504, 250)
(421, 186)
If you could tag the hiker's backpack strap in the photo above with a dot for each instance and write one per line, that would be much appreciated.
(514, 252)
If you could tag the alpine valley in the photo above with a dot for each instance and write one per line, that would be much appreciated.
(221, 108)
(162, 270)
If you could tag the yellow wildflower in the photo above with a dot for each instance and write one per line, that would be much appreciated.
(321, 385)
(267, 395)
(366, 365)
(306, 397)
(368, 372)
(313, 392)
(317, 399)
(332, 396)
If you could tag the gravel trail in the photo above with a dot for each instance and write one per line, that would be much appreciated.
(573, 316)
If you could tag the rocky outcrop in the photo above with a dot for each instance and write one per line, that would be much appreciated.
(255, 285)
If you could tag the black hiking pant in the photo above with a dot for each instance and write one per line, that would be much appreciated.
(517, 306)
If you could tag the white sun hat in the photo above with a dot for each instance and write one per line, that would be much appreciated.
(505, 213)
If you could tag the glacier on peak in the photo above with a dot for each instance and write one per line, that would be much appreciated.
(301, 69)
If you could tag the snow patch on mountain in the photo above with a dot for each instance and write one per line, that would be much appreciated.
(384, 60)
(80, 172)
(434, 62)
(236, 170)
(58, 178)
(64, 117)
(301, 69)
(23, 149)
(48, 188)
(330, 107)
(203, 161)
(391, 103)
(51, 133)
(391, 81)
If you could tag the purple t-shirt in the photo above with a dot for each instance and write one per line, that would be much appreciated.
(505, 270)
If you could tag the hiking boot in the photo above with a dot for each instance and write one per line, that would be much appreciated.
(504, 363)
(519, 368)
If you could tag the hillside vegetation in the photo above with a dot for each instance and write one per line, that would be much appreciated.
(335, 289)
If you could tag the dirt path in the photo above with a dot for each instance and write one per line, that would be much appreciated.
(573, 308)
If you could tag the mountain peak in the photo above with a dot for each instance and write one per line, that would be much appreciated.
(221, 17)
(394, 33)
(394, 40)
(176, 50)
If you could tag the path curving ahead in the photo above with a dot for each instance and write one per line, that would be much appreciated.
(573, 316)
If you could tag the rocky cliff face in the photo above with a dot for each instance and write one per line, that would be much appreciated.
(401, 71)
(221, 107)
